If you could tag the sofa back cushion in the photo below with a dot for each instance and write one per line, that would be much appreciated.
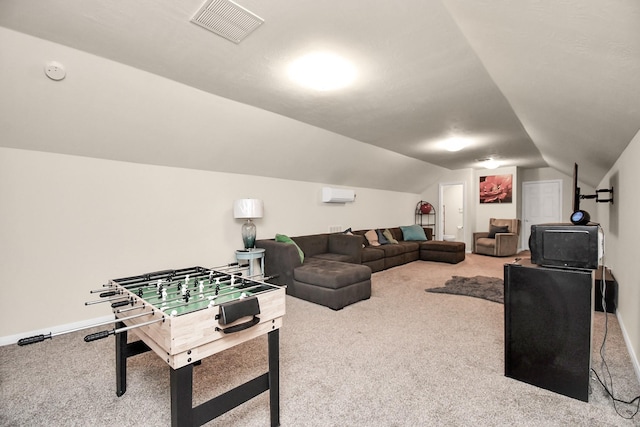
(313, 244)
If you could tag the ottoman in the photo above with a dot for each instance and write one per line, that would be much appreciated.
(435, 250)
(333, 284)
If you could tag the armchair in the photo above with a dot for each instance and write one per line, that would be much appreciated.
(500, 240)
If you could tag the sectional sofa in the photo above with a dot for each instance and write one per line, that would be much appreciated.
(334, 269)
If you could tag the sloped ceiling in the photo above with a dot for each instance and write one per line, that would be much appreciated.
(531, 83)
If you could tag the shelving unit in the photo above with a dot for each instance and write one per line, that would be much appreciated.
(425, 215)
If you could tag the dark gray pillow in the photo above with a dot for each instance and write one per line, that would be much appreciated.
(382, 238)
(493, 229)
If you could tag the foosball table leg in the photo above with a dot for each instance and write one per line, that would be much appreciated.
(182, 396)
(121, 361)
(125, 350)
(274, 376)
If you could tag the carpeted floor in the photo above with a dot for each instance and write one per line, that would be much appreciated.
(405, 357)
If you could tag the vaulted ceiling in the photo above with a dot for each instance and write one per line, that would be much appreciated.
(532, 83)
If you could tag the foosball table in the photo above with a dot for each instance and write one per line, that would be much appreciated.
(185, 316)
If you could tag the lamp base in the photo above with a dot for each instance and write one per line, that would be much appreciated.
(249, 234)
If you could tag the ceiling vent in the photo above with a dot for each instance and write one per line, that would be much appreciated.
(227, 19)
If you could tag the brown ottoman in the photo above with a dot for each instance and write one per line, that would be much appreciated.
(435, 250)
(331, 283)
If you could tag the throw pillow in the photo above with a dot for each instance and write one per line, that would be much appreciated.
(372, 238)
(389, 236)
(348, 232)
(383, 240)
(493, 229)
(413, 232)
(286, 239)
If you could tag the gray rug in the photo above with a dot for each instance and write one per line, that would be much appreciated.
(489, 288)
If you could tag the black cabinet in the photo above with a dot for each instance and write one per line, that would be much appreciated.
(610, 287)
(548, 327)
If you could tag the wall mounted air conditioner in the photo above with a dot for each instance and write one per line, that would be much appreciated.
(337, 195)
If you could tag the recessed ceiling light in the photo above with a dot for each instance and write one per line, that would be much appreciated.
(454, 143)
(322, 71)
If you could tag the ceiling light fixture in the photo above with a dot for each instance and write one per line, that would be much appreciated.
(491, 163)
(322, 71)
(455, 143)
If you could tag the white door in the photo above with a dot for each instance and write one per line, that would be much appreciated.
(452, 212)
(541, 204)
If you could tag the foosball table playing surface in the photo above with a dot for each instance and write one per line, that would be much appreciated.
(189, 314)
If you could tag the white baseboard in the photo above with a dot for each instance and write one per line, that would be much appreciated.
(69, 327)
(627, 341)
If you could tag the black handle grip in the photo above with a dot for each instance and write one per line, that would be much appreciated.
(120, 304)
(34, 339)
(97, 336)
(107, 294)
(240, 327)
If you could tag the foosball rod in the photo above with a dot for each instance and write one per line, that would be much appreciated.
(166, 282)
(163, 275)
(171, 285)
(212, 299)
(39, 338)
(226, 286)
(118, 298)
(103, 334)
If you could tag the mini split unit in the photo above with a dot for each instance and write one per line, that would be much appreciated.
(337, 195)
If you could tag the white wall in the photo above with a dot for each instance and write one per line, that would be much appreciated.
(622, 234)
(71, 223)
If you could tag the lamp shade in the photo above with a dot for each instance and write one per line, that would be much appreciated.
(248, 208)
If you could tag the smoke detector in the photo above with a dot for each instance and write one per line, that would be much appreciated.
(54, 70)
(227, 19)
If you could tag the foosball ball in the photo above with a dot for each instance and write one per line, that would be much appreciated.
(185, 316)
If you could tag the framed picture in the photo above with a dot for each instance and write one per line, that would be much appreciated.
(496, 189)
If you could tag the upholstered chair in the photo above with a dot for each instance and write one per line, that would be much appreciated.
(501, 239)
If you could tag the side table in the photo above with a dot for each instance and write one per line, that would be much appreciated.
(250, 255)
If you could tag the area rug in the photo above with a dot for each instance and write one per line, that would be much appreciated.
(489, 288)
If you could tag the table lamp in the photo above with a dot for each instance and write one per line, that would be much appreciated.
(248, 209)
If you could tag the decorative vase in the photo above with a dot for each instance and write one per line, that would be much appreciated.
(425, 208)
(249, 234)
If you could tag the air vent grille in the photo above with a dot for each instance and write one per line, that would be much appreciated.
(227, 19)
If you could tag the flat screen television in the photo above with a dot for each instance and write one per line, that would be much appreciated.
(566, 245)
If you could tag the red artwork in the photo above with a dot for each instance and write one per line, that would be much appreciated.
(496, 189)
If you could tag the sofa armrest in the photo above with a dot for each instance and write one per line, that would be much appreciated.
(345, 244)
(478, 235)
(506, 244)
(279, 259)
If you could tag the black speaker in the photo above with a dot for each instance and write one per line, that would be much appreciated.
(580, 217)
(548, 328)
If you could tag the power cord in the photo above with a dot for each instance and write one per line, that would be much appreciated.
(603, 289)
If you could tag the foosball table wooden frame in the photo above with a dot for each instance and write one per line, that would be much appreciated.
(183, 413)
(192, 314)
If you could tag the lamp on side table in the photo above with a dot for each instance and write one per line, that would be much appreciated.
(248, 209)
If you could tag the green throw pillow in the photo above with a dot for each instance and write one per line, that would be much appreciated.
(413, 232)
(286, 239)
(389, 236)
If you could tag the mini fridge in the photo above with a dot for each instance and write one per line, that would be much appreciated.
(548, 327)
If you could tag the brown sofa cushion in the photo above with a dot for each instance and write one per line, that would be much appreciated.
(331, 274)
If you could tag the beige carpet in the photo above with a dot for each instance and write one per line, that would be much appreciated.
(405, 357)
